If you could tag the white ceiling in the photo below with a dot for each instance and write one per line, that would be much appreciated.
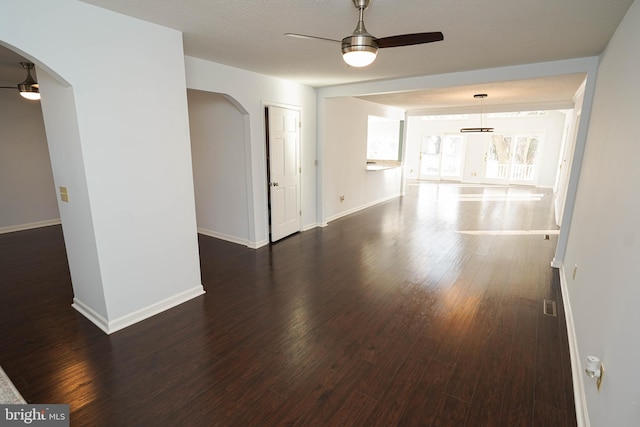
(249, 34)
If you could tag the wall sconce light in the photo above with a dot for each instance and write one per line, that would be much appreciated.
(595, 369)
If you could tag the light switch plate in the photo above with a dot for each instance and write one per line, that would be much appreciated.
(64, 195)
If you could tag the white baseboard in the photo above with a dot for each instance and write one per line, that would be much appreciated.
(248, 243)
(111, 326)
(225, 237)
(310, 226)
(233, 239)
(361, 207)
(90, 314)
(29, 226)
(259, 244)
(579, 395)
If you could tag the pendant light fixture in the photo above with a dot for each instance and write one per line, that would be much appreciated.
(481, 129)
(29, 88)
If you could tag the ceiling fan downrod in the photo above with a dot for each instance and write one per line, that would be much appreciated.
(361, 5)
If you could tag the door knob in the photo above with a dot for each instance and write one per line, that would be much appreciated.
(275, 184)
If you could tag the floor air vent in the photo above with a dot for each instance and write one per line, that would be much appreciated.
(549, 308)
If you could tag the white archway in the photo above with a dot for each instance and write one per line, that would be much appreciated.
(120, 149)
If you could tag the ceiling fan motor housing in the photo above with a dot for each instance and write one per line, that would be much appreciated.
(360, 40)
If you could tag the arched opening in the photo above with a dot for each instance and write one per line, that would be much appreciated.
(46, 157)
(121, 151)
(219, 155)
(27, 189)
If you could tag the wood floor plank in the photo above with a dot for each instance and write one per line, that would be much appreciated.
(519, 386)
(451, 412)
(548, 416)
(393, 403)
(315, 392)
(354, 411)
(385, 368)
(423, 405)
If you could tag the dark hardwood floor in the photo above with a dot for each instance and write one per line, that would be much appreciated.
(395, 315)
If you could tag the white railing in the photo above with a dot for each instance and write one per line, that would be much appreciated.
(450, 166)
(497, 170)
(522, 172)
(430, 164)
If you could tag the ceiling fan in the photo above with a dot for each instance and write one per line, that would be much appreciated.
(29, 88)
(360, 48)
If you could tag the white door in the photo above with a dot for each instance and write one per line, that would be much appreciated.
(430, 157)
(498, 159)
(284, 172)
(451, 157)
(511, 159)
(441, 157)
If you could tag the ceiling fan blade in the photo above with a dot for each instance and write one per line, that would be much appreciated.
(409, 39)
(304, 36)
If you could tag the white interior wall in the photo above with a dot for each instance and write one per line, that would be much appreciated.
(604, 242)
(218, 151)
(27, 192)
(565, 160)
(551, 126)
(122, 151)
(253, 92)
(345, 156)
(65, 148)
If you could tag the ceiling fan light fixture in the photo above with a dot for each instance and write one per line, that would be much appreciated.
(358, 55)
(31, 94)
(359, 49)
(29, 88)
